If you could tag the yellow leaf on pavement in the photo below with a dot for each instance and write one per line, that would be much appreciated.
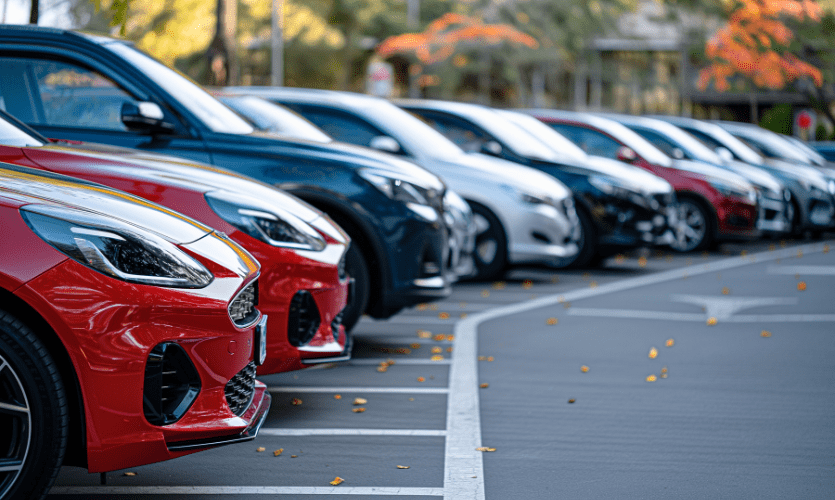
(653, 353)
(337, 481)
(360, 401)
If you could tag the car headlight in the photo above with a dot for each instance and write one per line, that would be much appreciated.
(421, 199)
(270, 224)
(738, 191)
(616, 189)
(115, 248)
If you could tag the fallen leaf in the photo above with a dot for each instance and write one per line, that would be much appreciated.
(593, 284)
(670, 343)
(421, 379)
(765, 333)
(664, 370)
(402, 466)
(437, 357)
(443, 315)
(772, 247)
(572, 400)
(415, 345)
(296, 401)
(411, 399)
(337, 481)
(450, 338)
(449, 349)
(484, 386)
(360, 401)
(826, 249)
(711, 321)
(462, 315)
(403, 350)
(663, 375)
(436, 350)
(586, 276)
(423, 334)
(584, 369)
(337, 396)
(278, 452)
(551, 321)
(485, 293)
(652, 378)
(260, 449)
(439, 337)
(801, 286)
(383, 368)
(389, 362)
(561, 299)
(527, 284)
(619, 258)
(484, 448)
(726, 290)
(130, 474)
(489, 358)
(422, 307)
(642, 262)
(499, 285)
(482, 358)
(294, 456)
(567, 305)
(653, 353)
(358, 410)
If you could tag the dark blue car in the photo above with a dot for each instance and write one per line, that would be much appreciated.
(73, 86)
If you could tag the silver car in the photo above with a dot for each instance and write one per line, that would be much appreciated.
(522, 215)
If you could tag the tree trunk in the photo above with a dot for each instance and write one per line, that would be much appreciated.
(34, 12)
(222, 52)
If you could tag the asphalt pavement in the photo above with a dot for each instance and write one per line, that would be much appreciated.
(659, 375)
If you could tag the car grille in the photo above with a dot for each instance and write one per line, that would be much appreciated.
(242, 308)
(240, 389)
(304, 319)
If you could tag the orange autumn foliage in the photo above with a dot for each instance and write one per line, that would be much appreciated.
(753, 44)
(440, 39)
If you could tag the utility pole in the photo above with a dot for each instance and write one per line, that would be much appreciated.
(277, 65)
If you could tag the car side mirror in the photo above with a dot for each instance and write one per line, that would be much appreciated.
(626, 154)
(492, 148)
(146, 117)
(725, 154)
(385, 143)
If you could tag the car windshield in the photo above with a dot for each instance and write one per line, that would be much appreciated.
(274, 118)
(214, 115)
(412, 133)
(739, 148)
(514, 137)
(686, 142)
(625, 136)
(547, 135)
(771, 145)
(10, 135)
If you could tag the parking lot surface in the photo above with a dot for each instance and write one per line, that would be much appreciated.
(659, 375)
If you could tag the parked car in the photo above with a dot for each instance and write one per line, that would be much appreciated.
(129, 334)
(799, 192)
(303, 287)
(618, 207)
(815, 205)
(714, 205)
(819, 161)
(775, 211)
(98, 89)
(268, 116)
(522, 216)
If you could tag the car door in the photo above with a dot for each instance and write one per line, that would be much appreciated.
(69, 99)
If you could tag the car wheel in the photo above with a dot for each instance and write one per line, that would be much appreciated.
(586, 241)
(357, 268)
(490, 252)
(33, 413)
(693, 230)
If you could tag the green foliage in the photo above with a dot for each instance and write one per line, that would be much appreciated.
(820, 133)
(778, 119)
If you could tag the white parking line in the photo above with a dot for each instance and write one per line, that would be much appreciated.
(419, 320)
(354, 432)
(410, 361)
(369, 390)
(244, 490)
(700, 317)
(803, 270)
(464, 471)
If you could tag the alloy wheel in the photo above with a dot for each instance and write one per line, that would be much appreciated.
(692, 227)
(16, 420)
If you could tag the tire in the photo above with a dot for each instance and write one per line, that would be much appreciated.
(490, 254)
(587, 255)
(694, 230)
(357, 268)
(29, 380)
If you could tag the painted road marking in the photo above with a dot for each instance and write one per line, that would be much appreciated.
(369, 390)
(244, 490)
(721, 307)
(353, 432)
(410, 361)
(803, 270)
(700, 317)
(464, 469)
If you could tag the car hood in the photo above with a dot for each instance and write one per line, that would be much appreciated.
(477, 171)
(805, 174)
(707, 171)
(756, 176)
(166, 170)
(637, 178)
(25, 186)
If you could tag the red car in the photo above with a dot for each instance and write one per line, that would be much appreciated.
(714, 204)
(303, 287)
(128, 332)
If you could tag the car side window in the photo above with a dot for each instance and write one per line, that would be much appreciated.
(342, 126)
(591, 141)
(708, 140)
(668, 147)
(57, 93)
(463, 134)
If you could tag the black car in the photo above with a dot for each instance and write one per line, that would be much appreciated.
(74, 86)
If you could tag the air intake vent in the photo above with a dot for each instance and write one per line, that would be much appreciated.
(240, 389)
(340, 269)
(242, 308)
(335, 324)
(171, 384)
(304, 318)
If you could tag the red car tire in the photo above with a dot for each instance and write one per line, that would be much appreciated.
(33, 406)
